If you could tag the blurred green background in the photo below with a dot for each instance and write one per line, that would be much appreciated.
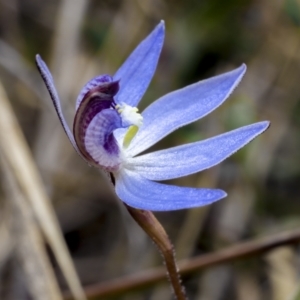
(80, 39)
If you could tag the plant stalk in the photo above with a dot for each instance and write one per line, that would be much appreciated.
(154, 229)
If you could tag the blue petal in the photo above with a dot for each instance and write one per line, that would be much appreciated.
(137, 71)
(99, 140)
(48, 79)
(191, 158)
(182, 107)
(96, 81)
(141, 193)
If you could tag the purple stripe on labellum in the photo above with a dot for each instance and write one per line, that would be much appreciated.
(99, 141)
(94, 101)
(93, 83)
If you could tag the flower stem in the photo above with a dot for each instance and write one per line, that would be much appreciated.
(154, 229)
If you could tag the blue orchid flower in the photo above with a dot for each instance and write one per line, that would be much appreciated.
(109, 133)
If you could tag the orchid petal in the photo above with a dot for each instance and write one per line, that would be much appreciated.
(182, 107)
(96, 81)
(48, 79)
(99, 140)
(141, 193)
(191, 158)
(137, 71)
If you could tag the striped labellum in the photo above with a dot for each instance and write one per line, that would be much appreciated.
(95, 120)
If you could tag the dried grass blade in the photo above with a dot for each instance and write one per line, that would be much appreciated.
(17, 154)
(29, 243)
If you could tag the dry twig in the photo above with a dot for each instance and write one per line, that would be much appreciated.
(188, 266)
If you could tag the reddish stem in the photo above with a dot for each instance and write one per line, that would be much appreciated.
(154, 229)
